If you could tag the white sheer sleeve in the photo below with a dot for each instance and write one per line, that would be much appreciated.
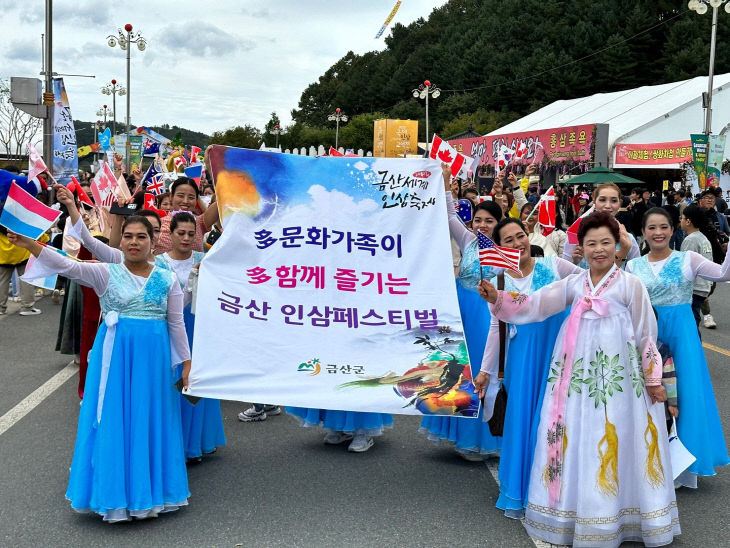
(98, 249)
(645, 330)
(565, 268)
(634, 251)
(490, 358)
(179, 348)
(568, 251)
(93, 275)
(704, 268)
(545, 302)
(519, 193)
(461, 235)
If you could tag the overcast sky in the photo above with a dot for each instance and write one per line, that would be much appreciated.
(208, 65)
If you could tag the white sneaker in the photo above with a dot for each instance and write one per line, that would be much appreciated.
(334, 437)
(30, 312)
(272, 410)
(252, 415)
(361, 443)
(709, 322)
(473, 456)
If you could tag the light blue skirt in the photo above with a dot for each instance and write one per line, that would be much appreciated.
(202, 423)
(130, 463)
(698, 424)
(525, 377)
(371, 424)
(467, 435)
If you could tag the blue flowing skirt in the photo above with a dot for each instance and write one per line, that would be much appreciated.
(131, 462)
(202, 423)
(698, 424)
(525, 377)
(371, 424)
(468, 435)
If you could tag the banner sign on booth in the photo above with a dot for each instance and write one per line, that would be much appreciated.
(65, 161)
(331, 287)
(652, 154)
(699, 154)
(573, 143)
(715, 156)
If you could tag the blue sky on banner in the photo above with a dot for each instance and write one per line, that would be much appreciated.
(225, 64)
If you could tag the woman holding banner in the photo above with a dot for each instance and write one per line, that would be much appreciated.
(669, 277)
(526, 366)
(128, 459)
(601, 473)
(471, 437)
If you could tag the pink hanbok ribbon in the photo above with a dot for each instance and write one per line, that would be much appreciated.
(556, 430)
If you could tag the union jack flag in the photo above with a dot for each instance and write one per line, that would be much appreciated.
(490, 254)
(155, 185)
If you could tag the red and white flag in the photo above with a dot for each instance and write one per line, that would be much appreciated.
(194, 151)
(546, 211)
(36, 165)
(179, 161)
(74, 186)
(441, 150)
(521, 152)
(504, 157)
(334, 152)
(104, 185)
(573, 230)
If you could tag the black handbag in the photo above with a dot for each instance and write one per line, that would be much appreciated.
(496, 423)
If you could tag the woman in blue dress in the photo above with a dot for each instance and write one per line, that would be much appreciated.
(669, 278)
(470, 437)
(527, 363)
(202, 423)
(128, 459)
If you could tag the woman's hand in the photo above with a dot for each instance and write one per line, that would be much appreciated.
(480, 383)
(512, 180)
(446, 172)
(531, 170)
(137, 174)
(624, 241)
(673, 411)
(656, 393)
(19, 240)
(117, 161)
(488, 292)
(186, 374)
(577, 254)
(497, 188)
(65, 196)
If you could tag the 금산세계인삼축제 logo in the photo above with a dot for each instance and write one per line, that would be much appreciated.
(312, 367)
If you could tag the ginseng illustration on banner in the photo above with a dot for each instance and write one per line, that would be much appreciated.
(331, 287)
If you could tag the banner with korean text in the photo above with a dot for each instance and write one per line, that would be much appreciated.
(331, 287)
(65, 161)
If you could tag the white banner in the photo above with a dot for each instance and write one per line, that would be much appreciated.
(331, 287)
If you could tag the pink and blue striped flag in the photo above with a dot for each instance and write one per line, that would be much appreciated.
(25, 215)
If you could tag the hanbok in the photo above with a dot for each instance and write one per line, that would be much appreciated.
(469, 436)
(670, 283)
(525, 376)
(351, 422)
(202, 423)
(128, 459)
(601, 473)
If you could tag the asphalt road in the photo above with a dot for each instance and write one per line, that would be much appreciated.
(276, 484)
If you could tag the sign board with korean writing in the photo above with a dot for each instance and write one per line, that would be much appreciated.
(331, 287)
(652, 154)
(565, 144)
(395, 138)
(65, 162)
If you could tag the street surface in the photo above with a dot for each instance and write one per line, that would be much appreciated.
(276, 484)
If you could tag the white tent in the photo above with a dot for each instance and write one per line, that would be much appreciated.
(649, 114)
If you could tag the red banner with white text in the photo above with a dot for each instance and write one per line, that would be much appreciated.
(653, 154)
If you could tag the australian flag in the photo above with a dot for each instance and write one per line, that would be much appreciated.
(151, 147)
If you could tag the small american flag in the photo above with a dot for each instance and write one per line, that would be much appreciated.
(490, 254)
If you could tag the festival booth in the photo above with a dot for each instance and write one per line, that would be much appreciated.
(648, 131)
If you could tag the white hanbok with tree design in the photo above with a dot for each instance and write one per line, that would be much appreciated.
(601, 474)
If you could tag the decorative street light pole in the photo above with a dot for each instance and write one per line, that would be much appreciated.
(700, 6)
(125, 43)
(422, 92)
(112, 89)
(105, 111)
(337, 116)
(276, 131)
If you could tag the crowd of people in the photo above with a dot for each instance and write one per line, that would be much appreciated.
(582, 432)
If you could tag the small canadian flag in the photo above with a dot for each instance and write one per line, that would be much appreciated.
(441, 150)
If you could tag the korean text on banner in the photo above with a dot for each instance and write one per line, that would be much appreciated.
(715, 156)
(65, 162)
(331, 287)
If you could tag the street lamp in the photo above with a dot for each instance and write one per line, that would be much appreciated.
(112, 89)
(700, 6)
(97, 127)
(337, 116)
(422, 92)
(276, 131)
(104, 111)
(125, 42)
